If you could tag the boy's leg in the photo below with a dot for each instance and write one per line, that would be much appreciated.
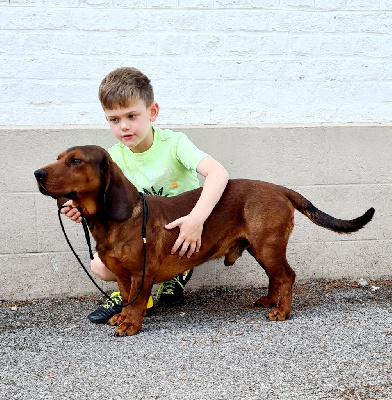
(171, 293)
(113, 305)
(99, 269)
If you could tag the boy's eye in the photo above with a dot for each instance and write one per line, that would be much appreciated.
(131, 116)
(113, 119)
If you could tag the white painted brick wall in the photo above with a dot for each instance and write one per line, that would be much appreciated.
(211, 61)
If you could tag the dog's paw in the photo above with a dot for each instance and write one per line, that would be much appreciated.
(127, 329)
(264, 302)
(278, 314)
(116, 320)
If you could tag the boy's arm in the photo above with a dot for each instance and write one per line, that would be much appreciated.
(191, 225)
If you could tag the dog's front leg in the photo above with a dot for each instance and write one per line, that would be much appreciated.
(129, 321)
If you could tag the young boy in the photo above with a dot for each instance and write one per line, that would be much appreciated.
(158, 162)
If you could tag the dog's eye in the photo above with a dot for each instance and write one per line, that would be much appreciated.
(75, 161)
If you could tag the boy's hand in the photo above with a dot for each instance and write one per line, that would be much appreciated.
(71, 211)
(191, 229)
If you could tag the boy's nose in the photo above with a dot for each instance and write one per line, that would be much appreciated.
(124, 125)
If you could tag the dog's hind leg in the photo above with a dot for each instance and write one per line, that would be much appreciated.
(281, 281)
(286, 284)
(271, 300)
(268, 243)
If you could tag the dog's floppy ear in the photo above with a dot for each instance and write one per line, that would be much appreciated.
(118, 199)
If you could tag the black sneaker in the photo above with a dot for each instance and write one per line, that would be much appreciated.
(171, 293)
(107, 310)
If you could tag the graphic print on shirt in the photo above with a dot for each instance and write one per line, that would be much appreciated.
(153, 192)
(141, 179)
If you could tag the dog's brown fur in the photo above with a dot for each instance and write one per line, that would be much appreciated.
(251, 215)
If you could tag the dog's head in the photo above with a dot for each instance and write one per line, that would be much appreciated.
(88, 176)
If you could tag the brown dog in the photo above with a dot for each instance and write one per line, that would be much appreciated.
(251, 215)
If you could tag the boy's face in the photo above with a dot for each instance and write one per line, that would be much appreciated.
(132, 125)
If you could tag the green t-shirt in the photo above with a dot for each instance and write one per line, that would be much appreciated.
(167, 168)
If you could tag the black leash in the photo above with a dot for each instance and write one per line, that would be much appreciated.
(87, 236)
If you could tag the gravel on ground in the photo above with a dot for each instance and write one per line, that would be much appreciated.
(337, 345)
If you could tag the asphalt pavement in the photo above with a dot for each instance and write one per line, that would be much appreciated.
(337, 345)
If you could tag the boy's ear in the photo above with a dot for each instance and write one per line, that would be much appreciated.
(154, 111)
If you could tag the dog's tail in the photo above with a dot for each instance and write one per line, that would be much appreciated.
(320, 218)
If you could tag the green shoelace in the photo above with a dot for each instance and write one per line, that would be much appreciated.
(115, 298)
(168, 287)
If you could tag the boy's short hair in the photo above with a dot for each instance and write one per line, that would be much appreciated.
(124, 87)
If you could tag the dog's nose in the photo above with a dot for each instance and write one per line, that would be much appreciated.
(40, 174)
